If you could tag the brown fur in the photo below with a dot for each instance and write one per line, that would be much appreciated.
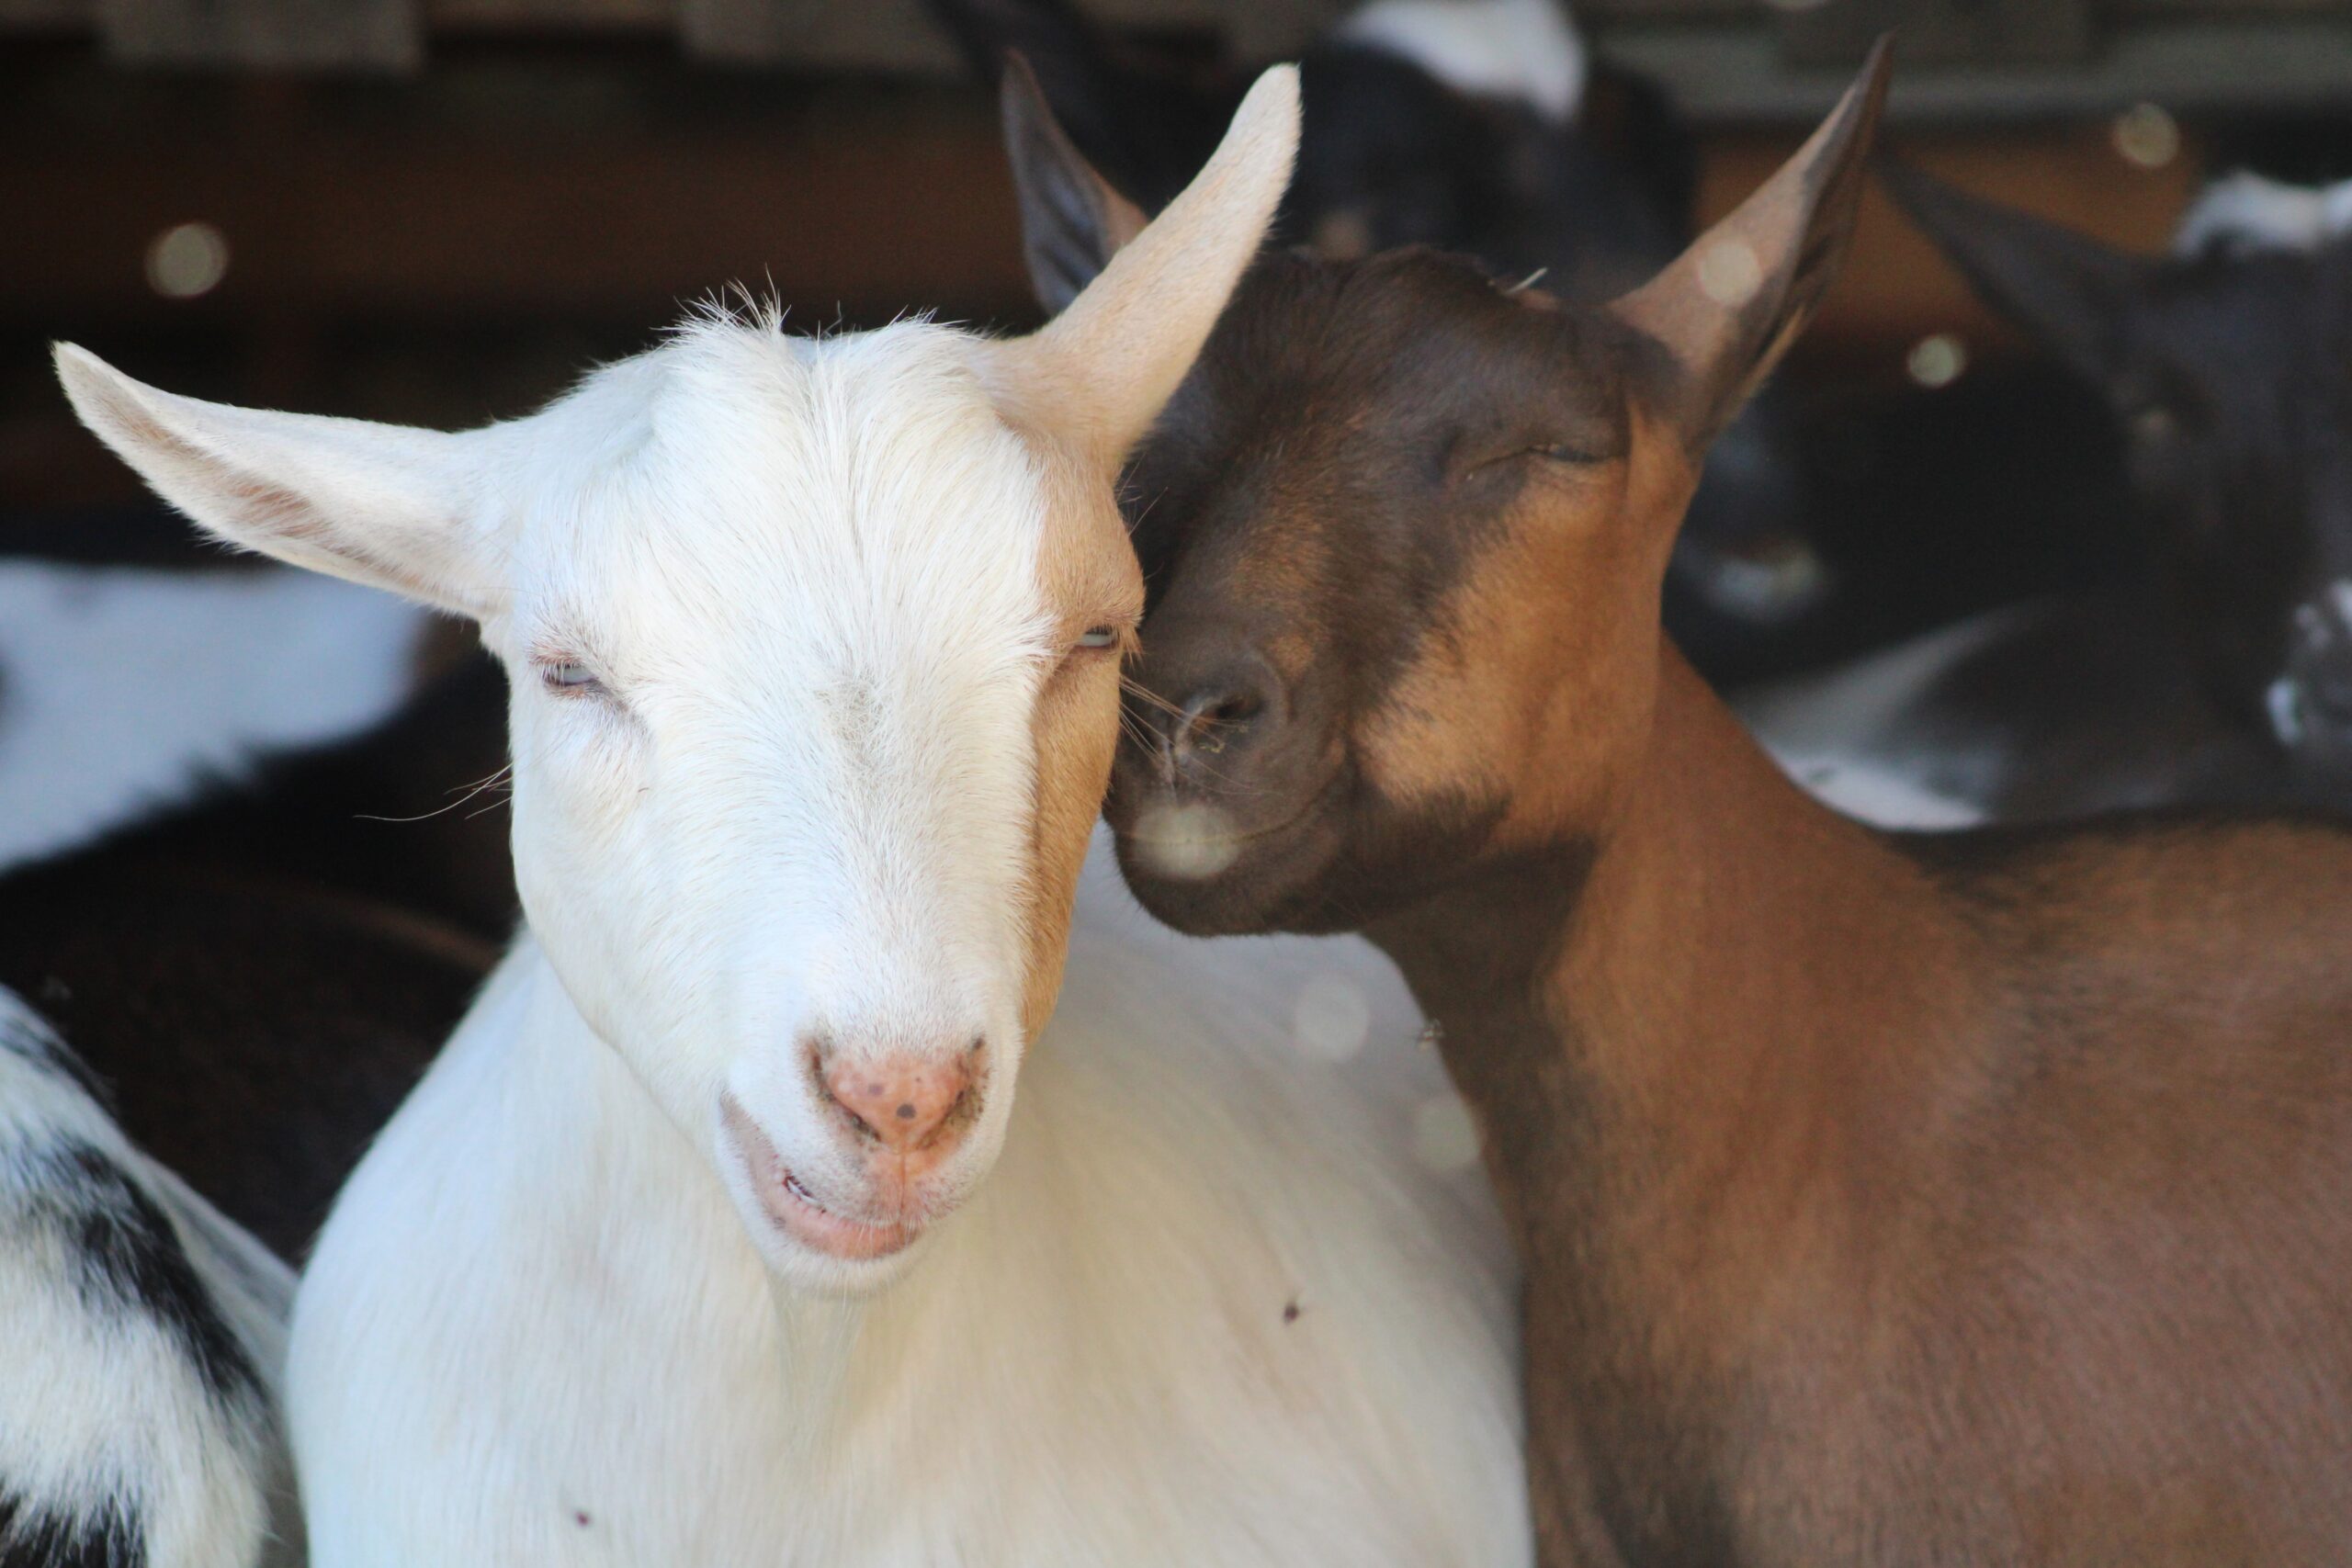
(1883, 1201)
(1091, 579)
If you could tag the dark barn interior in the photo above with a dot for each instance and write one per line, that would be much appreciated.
(442, 210)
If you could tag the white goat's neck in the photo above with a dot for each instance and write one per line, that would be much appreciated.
(1162, 1334)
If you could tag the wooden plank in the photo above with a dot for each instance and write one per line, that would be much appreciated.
(44, 14)
(891, 35)
(888, 202)
(2233, 10)
(893, 201)
(1278, 30)
(1738, 76)
(1590, 12)
(1160, 15)
(1979, 32)
(263, 35)
(551, 15)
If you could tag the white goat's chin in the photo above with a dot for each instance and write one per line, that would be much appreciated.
(793, 1228)
(799, 1216)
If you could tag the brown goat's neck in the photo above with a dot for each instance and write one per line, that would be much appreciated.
(1682, 1020)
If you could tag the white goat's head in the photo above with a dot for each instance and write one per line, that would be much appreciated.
(814, 650)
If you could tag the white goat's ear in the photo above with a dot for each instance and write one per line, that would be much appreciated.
(1099, 373)
(382, 504)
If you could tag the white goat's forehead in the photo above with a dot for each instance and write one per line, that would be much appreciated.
(739, 492)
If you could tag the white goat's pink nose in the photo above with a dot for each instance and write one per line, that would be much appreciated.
(908, 1102)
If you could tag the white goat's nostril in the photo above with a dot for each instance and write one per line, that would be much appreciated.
(907, 1103)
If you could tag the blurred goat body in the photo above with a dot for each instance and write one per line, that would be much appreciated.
(185, 741)
(145, 1339)
(2227, 680)
(713, 1236)
(244, 715)
(131, 690)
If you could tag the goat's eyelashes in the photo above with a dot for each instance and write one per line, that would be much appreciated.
(569, 677)
(1094, 639)
(1560, 452)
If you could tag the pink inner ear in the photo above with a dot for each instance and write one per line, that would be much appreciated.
(264, 507)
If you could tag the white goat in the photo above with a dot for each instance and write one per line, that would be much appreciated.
(145, 1336)
(814, 649)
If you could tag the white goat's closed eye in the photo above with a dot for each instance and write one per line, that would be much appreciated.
(1099, 637)
(569, 676)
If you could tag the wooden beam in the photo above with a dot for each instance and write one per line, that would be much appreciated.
(888, 201)
(263, 35)
(1976, 32)
(895, 36)
(551, 15)
(44, 14)
(1278, 30)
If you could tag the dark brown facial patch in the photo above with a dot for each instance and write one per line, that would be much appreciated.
(1350, 400)
(1372, 462)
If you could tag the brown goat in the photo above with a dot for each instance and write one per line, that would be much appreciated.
(1884, 1199)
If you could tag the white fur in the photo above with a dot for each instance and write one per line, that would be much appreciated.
(104, 1414)
(1526, 50)
(1875, 793)
(2244, 212)
(126, 691)
(534, 1302)
(833, 595)
(1834, 732)
(1193, 842)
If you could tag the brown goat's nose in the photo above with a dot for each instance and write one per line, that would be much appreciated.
(903, 1102)
(1219, 713)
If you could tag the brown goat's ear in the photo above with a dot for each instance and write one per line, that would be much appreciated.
(1097, 374)
(1072, 222)
(1729, 307)
(2074, 293)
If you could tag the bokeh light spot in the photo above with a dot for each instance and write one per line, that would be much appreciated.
(188, 260)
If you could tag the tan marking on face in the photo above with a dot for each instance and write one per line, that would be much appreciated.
(1089, 574)
(1537, 679)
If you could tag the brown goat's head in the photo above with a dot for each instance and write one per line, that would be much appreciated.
(1405, 532)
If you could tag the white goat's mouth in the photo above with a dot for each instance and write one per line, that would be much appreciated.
(797, 1211)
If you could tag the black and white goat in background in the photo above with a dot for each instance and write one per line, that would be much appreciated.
(145, 1335)
(186, 744)
(2221, 676)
